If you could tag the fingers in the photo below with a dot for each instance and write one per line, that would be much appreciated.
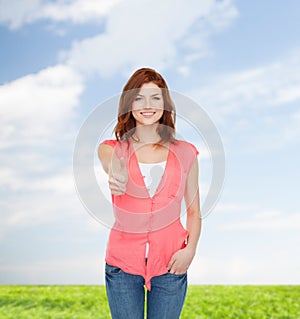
(171, 263)
(118, 176)
(177, 270)
(117, 179)
(178, 265)
(174, 267)
(116, 185)
(116, 190)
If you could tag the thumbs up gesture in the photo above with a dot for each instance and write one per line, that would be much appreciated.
(117, 175)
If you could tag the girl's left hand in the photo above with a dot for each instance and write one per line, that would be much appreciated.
(181, 261)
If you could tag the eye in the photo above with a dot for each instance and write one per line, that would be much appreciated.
(156, 98)
(137, 98)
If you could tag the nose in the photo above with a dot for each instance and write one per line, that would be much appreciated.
(147, 104)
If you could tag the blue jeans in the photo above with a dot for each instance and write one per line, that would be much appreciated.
(126, 295)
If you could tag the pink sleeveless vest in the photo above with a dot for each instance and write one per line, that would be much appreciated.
(141, 219)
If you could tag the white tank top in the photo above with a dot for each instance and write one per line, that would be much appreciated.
(152, 173)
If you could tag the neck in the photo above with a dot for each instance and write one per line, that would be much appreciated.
(146, 134)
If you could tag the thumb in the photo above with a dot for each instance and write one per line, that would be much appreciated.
(122, 162)
(123, 165)
(171, 262)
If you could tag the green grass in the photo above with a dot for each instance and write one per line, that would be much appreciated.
(202, 302)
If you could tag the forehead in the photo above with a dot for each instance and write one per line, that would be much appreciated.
(150, 89)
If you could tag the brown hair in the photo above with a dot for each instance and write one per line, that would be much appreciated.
(125, 126)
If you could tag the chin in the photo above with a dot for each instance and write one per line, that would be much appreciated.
(148, 123)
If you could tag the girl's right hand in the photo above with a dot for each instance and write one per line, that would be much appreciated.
(117, 176)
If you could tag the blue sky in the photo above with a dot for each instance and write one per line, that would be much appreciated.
(239, 60)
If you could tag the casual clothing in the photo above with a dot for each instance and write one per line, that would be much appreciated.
(142, 219)
(126, 295)
(152, 174)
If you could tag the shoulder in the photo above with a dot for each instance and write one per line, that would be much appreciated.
(112, 143)
(186, 147)
(108, 146)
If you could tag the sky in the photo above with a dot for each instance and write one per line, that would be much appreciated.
(238, 60)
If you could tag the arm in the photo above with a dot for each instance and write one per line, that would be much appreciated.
(192, 200)
(114, 167)
(105, 153)
(182, 259)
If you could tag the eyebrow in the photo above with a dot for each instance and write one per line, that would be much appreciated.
(151, 95)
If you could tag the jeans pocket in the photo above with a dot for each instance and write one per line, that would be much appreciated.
(111, 270)
(177, 275)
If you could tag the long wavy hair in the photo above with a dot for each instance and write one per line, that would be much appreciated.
(126, 124)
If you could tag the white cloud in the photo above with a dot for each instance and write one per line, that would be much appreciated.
(40, 200)
(275, 268)
(260, 99)
(36, 108)
(150, 35)
(274, 84)
(45, 200)
(82, 269)
(78, 11)
(37, 120)
(282, 222)
(254, 218)
(16, 13)
(135, 35)
(231, 208)
(279, 130)
(89, 269)
(292, 130)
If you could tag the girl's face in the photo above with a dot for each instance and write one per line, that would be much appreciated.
(148, 105)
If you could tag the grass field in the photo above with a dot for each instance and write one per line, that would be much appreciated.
(82, 302)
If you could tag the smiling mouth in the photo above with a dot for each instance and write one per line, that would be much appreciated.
(147, 113)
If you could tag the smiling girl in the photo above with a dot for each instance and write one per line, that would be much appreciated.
(149, 173)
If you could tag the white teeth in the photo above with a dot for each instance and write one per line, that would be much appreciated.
(147, 113)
